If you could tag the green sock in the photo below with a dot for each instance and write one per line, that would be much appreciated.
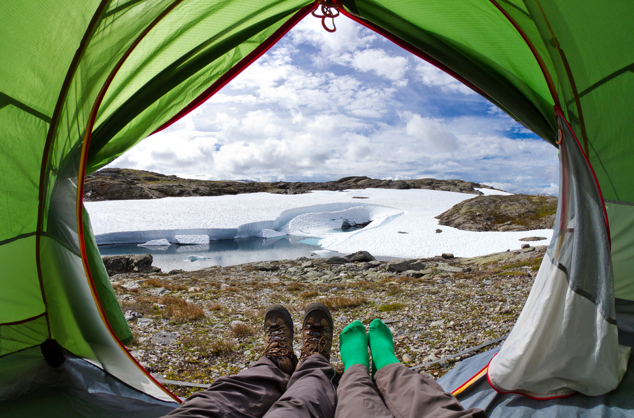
(353, 345)
(381, 344)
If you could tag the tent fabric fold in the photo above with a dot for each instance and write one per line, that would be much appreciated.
(566, 338)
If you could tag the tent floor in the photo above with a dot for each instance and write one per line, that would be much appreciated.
(616, 404)
(29, 387)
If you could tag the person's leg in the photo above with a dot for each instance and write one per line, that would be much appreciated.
(248, 394)
(409, 394)
(310, 392)
(406, 393)
(357, 395)
(252, 392)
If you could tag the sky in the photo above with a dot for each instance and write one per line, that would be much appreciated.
(320, 106)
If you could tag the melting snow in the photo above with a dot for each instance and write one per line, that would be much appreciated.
(402, 223)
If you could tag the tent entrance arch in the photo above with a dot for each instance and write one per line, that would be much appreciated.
(120, 70)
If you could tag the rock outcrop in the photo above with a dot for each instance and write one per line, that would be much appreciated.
(502, 213)
(119, 264)
(127, 184)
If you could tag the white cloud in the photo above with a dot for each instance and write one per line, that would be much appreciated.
(433, 134)
(432, 76)
(322, 106)
(378, 61)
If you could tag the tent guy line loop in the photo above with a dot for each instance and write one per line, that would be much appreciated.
(328, 10)
(497, 340)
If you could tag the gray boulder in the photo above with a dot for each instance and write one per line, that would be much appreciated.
(360, 256)
(336, 260)
(399, 266)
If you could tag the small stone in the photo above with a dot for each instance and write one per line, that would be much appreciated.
(528, 250)
(143, 322)
(130, 315)
(308, 264)
(159, 291)
(130, 286)
(165, 338)
(447, 255)
(402, 232)
(438, 231)
(525, 246)
(437, 323)
(407, 358)
(236, 323)
(176, 271)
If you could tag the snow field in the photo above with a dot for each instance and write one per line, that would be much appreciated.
(403, 221)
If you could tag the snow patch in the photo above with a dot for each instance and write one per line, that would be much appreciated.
(156, 243)
(191, 239)
(270, 233)
(491, 192)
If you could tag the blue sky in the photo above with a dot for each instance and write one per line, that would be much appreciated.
(320, 106)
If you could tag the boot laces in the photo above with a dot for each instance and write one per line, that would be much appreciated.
(276, 346)
(315, 342)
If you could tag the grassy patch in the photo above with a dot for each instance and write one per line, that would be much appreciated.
(511, 273)
(214, 307)
(339, 302)
(393, 290)
(407, 279)
(391, 307)
(294, 287)
(242, 330)
(220, 347)
(180, 311)
(362, 284)
(154, 282)
(309, 294)
(141, 305)
(204, 346)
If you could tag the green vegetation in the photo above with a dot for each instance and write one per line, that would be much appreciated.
(391, 307)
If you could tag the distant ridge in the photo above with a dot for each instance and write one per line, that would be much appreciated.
(128, 184)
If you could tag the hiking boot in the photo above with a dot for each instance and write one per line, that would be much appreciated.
(278, 331)
(317, 331)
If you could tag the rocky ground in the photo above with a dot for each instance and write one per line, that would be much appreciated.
(125, 184)
(502, 213)
(198, 326)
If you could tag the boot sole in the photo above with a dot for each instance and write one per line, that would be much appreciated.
(316, 306)
(286, 314)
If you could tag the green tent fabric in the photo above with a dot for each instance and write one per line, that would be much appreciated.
(82, 81)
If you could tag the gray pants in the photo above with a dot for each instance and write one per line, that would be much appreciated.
(399, 392)
(264, 390)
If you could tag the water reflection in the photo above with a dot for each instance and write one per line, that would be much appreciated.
(223, 252)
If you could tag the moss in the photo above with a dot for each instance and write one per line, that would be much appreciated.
(391, 307)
